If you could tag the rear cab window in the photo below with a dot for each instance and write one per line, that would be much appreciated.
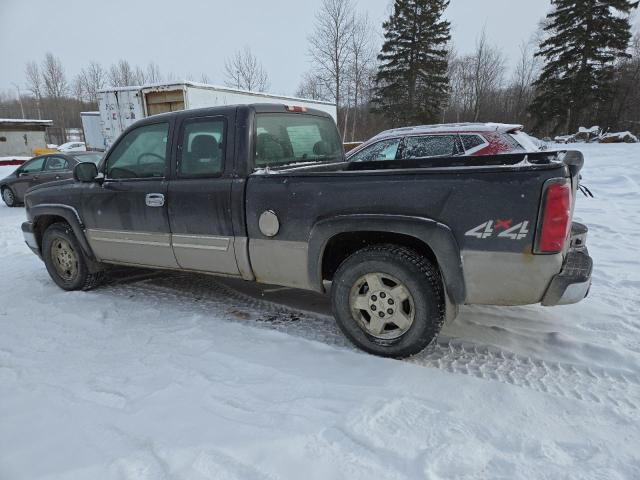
(289, 138)
(202, 147)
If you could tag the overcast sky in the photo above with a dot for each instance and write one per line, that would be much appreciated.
(194, 37)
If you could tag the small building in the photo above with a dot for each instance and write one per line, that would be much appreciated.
(18, 137)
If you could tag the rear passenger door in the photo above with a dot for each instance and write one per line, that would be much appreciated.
(200, 208)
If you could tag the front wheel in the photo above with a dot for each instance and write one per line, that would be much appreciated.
(389, 300)
(9, 197)
(65, 261)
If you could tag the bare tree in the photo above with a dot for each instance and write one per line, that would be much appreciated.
(525, 73)
(34, 84)
(153, 74)
(244, 71)
(77, 88)
(329, 45)
(54, 78)
(361, 59)
(312, 87)
(139, 76)
(92, 79)
(122, 74)
(488, 65)
(56, 88)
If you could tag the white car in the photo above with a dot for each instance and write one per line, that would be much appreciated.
(72, 147)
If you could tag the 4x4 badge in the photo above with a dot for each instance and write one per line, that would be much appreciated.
(492, 229)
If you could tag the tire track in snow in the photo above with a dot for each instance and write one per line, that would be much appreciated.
(200, 294)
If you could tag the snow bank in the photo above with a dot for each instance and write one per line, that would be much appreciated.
(180, 376)
(597, 135)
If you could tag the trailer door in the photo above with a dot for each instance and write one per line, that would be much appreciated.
(129, 107)
(164, 101)
(109, 117)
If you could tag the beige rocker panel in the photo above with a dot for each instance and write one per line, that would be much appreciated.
(189, 252)
(205, 253)
(151, 249)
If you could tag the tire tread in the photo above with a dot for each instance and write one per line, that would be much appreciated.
(429, 273)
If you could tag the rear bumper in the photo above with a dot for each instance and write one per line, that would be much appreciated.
(572, 284)
(30, 237)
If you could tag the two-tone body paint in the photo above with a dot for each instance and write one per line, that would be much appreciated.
(212, 224)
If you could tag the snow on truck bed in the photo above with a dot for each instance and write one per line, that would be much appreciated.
(169, 375)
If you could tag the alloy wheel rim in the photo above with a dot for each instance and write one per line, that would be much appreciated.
(65, 260)
(382, 306)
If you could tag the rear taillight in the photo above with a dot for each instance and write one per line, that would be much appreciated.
(553, 224)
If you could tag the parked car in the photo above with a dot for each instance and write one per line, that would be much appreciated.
(446, 140)
(262, 193)
(42, 169)
(72, 147)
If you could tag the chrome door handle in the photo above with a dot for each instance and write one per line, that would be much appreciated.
(154, 200)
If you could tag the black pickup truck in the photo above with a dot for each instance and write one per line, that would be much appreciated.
(263, 193)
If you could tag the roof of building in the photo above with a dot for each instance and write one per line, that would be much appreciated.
(25, 121)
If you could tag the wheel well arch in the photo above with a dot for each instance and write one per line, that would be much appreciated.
(342, 245)
(42, 222)
(333, 239)
(44, 215)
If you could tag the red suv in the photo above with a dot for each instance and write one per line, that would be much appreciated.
(447, 140)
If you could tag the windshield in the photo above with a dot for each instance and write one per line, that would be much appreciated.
(89, 157)
(285, 138)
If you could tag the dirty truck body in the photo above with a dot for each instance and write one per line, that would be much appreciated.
(398, 244)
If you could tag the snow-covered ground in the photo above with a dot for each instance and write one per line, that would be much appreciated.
(169, 375)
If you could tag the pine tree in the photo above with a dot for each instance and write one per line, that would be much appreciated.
(412, 83)
(585, 38)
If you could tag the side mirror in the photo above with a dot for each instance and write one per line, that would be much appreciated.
(85, 172)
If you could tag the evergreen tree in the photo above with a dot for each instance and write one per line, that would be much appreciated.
(412, 82)
(585, 38)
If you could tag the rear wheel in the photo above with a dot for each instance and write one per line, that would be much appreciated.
(9, 197)
(389, 300)
(65, 261)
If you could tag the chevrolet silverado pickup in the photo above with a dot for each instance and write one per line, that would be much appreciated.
(263, 193)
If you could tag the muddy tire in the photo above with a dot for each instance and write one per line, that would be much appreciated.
(65, 260)
(389, 300)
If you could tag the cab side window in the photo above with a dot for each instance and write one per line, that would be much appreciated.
(55, 164)
(384, 150)
(142, 153)
(202, 148)
(33, 166)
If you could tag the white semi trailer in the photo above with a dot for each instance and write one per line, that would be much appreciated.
(92, 128)
(121, 107)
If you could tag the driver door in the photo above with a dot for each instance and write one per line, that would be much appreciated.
(126, 217)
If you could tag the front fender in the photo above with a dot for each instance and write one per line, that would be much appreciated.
(70, 215)
(437, 236)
